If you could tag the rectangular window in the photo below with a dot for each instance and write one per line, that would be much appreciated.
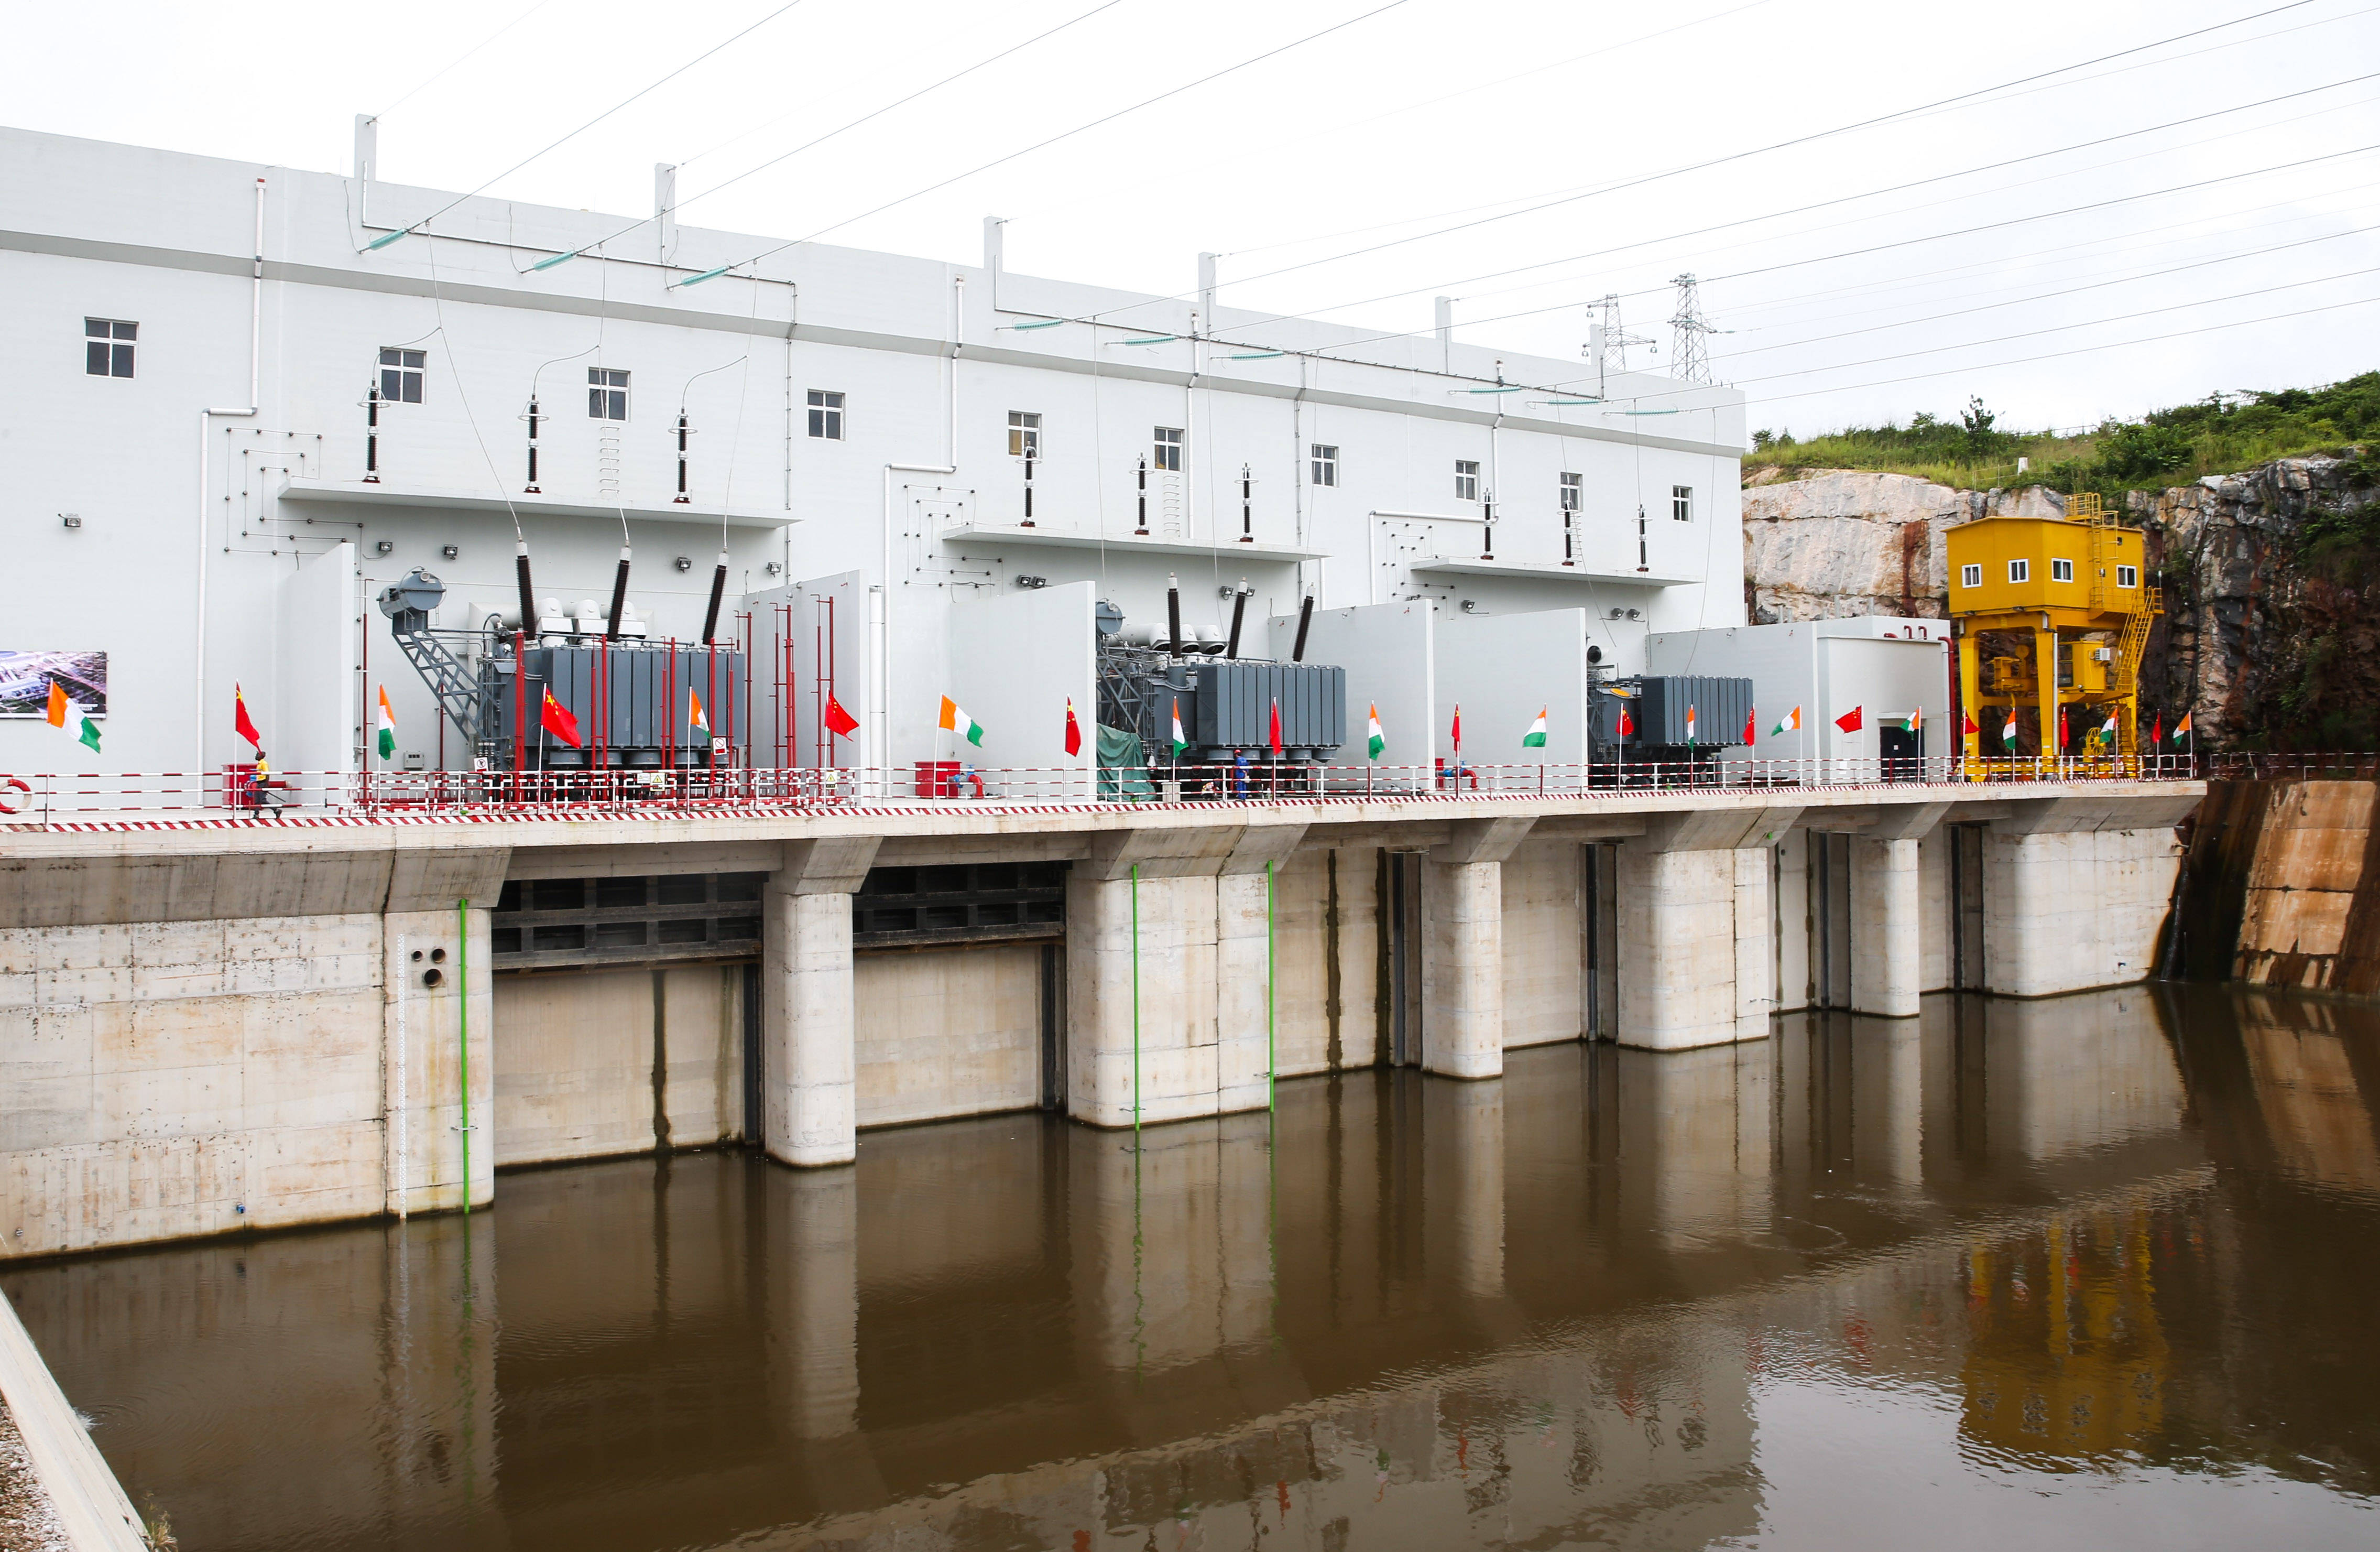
(1573, 491)
(2020, 570)
(1681, 503)
(2128, 576)
(1169, 447)
(607, 394)
(1970, 576)
(400, 375)
(1024, 433)
(2061, 571)
(1466, 480)
(1326, 464)
(107, 347)
(826, 414)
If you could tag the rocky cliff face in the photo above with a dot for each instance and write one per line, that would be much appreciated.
(2269, 640)
(1851, 543)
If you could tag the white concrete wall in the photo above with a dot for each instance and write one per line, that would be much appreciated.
(1544, 943)
(1934, 910)
(1389, 652)
(947, 1032)
(1791, 912)
(1503, 669)
(1015, 661)
(165, 240)
(573, 1065)
(188, 1078)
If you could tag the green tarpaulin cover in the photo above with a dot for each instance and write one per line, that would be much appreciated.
(1123, 769)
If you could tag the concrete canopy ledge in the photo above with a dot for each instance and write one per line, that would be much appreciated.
(2082, 812)
(1483, 840)
(1719, 829)
(829, 865)
(1260, 844)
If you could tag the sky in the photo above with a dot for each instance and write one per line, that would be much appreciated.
(1890, 207)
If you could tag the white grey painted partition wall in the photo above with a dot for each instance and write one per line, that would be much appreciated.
(1503, 669)
(1390, 653)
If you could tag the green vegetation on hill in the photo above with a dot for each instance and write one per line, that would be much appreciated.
(2221, 435)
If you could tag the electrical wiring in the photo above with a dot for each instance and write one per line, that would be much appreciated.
(639, 93)
(1944, 236)
(1993, 192)
(878, 113)
(1676, 237)
(1756, 151)
(1082, 128)
(2044, 296)
(443, 71)
(2062, 355)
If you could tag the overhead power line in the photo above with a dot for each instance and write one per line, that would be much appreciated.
(1064, 135)
(639, 93)
(1762, 149)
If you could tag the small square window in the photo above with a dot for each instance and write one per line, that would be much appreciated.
(2020, 570)
(1970, 576)
(1025, 433)
(1681, 503)
(607, 394)
(400, 375)
(1573, 492)
(1326, 464)
(826, 414)
(1466, 480)
(1168, 447)
(2128, 576)
(107, 347)
(2061, 571)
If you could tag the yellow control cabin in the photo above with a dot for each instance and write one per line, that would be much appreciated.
(2068, 592)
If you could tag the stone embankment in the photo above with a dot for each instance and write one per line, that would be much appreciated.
(2264, 637)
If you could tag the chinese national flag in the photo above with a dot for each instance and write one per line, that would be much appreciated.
(1751, 726)
(1627, 724)
(1074, 729)
(1850, 721)
(840, 723)
(1970, 729)
(556, 720)
(240, 719)
(2156, 732)
(1276, 727)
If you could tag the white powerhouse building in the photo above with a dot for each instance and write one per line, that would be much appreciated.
(200, 485)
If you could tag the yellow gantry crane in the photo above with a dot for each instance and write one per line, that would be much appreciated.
(2067, 596)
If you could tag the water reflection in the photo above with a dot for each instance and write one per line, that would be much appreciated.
(1959, 1266)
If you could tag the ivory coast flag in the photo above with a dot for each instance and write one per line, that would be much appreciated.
(1376, 742)
(1790, 723)
(1690, 726)
(959, 722)
(1180, 743)
(2008, 731)
(695, 715)
(1913, 721)
(1535, 736)
(2181, 728)
(387, 725)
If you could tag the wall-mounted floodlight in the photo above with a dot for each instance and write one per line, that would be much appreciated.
(557, 259)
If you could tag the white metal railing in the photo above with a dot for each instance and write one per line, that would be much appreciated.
(352, 797)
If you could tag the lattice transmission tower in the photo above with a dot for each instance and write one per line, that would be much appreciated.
(1690, 353)
(1608, 340)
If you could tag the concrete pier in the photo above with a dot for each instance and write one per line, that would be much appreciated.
(209, 1028)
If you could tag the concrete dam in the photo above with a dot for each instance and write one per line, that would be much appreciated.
(224, 1025)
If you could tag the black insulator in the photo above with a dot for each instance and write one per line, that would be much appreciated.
(1172, 619)
(1239, 612)
(528, 594)
(619, 596)
(718, 592)
(1305, 618)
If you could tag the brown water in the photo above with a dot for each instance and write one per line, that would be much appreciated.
(2103, 1271)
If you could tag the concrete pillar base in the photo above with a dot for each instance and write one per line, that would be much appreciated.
(809, 1057)
(434, 980)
